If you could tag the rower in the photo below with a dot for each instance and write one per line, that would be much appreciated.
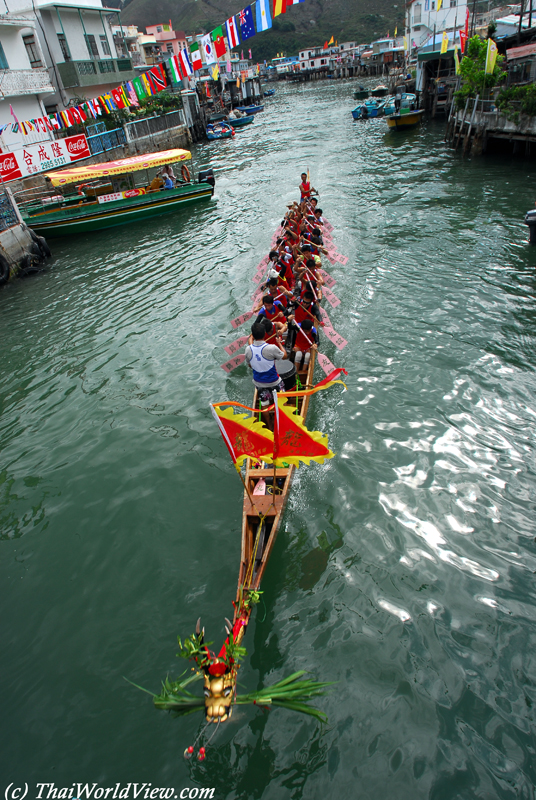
(261, 357)
(306, 340)
(306, 188)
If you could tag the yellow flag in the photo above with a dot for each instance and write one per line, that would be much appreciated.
(396, 30)
(439, 4)
(456, 60)
(215, 73)
(444, 43)
(405, 42)
(330, 41)
(491, 56)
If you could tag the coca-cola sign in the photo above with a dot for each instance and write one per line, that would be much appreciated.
(48, 155)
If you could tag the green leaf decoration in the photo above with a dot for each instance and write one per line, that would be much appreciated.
(175, 697)
(291, 693)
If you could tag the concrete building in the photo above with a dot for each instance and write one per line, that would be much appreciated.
(24, 80)
(76, 40)
(423, 18)
(315, 58)
(168, 41)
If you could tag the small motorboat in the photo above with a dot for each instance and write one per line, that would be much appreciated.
(406, 119)
(219, 130)
(370, 108)
(239, 122)
(406, 101)
(269, 92)
(250, 109)
(361, 93)
(380, 91)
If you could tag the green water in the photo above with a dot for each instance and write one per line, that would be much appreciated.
(404, 568)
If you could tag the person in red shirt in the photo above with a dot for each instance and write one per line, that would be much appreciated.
(305, 187)
(306, 340)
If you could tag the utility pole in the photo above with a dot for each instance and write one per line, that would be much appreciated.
(521, 11)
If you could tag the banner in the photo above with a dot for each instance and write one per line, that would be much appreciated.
(42, 157)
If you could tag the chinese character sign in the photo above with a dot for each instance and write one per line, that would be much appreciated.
(42, 157)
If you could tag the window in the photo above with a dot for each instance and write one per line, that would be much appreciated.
(312, 63)
(64, 47)
(105, 45)
(453, 3)
(170, 49)
(433, 5)
(51, 110)
(322, 61)
(3, 59)
(417, 14)
(159, 29)
(33, 51)
(91, 45)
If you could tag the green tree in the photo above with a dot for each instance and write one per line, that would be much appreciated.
(475, 80)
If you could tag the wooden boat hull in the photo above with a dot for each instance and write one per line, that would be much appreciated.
(255, 555)
(96, 216)
(405, 121)
(241, 121)
(250, 109)
(361, 94)
(379, 91)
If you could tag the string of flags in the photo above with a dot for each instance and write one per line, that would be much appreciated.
(236, 29)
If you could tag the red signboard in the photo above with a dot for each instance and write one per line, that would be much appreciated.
(43, 157)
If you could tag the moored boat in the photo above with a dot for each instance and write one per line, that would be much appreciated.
(370, 108)
(219, 130)
(406, 101)
(269, 92)
(107, 195)
(379, 91)
(406, 120)
(250, 109)
(239, 122)
(361, 93)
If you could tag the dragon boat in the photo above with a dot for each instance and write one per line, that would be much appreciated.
(269, 444)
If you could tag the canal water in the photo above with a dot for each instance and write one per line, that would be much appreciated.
(404, 568)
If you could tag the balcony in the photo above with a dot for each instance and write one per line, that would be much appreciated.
(24, 81)
(93, 73)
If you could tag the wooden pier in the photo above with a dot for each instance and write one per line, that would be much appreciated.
(480, 125)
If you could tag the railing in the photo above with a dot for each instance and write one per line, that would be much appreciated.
(101, 142)
(151, 125)
(89, 73)
(8, 215)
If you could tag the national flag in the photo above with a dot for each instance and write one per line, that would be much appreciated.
(280, 7)
(48, 123)
(491, 56)
(158, 77)
(185, 63)
(132, 96)
(96, 107)
(149, 91)
(232, 32)
(195, 52)
(110, 102)
(207, 47)
(245, 19)
(294, 2)
(29, 124)
(117, 95)
(55, 122)
(65, 119)
(330, 41)
(325, 45)
(292, 441)
(264, 19)
(463, 39)
(439, 4)
(456, 60)
(444, 43)
(219, 41)
(139, 88)
(244, 436)
(175, 67)
(215, 72)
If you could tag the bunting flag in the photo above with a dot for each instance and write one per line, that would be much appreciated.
(185, 63)
(280, 7)
(207, 47)
(158, 74)
(264, 19)
(456, 60)
(294, 2)
(146, 85)
(219, 41)
(491, 56)
(444, 43)
(245, 19)
(64, 119)
(232, 32)
(243, 435)
(439, 4)
(406, 43)
(195, 52)
(176, 70)
(132, 96)
(466, 31)
(117, 95)
(215, 72)
(139, 88)
(293, 443)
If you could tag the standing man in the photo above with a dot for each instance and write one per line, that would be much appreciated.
(261, 357)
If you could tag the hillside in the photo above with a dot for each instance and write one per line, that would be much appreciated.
(305, 24)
